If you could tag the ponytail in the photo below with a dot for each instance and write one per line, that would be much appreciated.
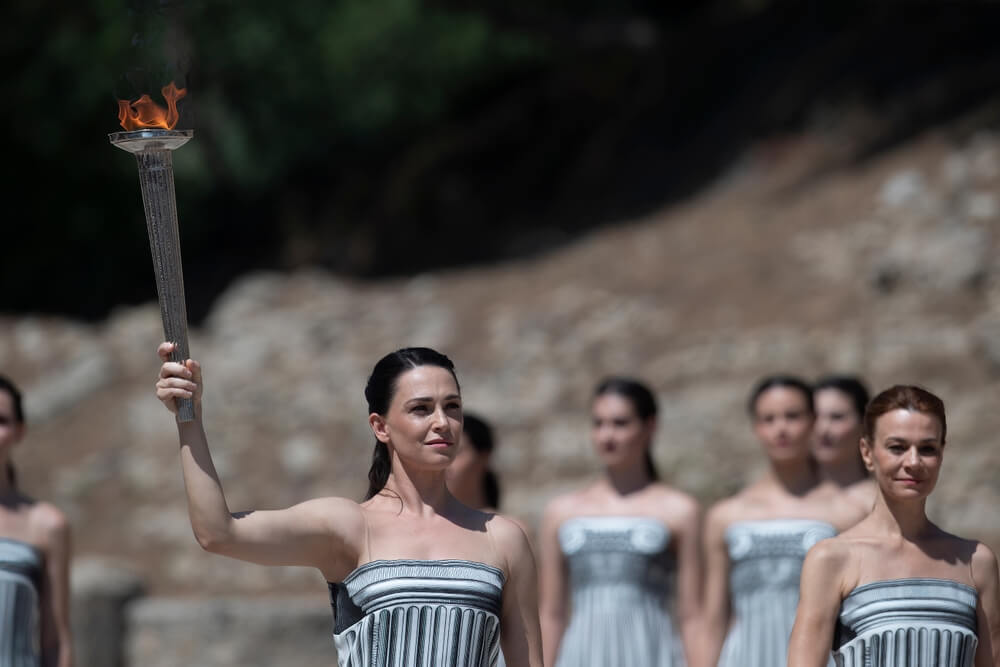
(491, 489)
(378, 474)
(651, 467)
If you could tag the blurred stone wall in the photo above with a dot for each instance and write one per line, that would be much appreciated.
(886, 268)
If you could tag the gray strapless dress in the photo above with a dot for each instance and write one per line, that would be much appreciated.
(418, 613)
(20, 574)
(765, 562)
(620, 574)
(907, 623)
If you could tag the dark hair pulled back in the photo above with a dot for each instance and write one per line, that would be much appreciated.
(480, 436)
(780, 381)
(848, 385)
(379, 391)
(7, 385)
(641, 398)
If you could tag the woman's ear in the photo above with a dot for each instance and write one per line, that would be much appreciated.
(866, 454)
(379, 427)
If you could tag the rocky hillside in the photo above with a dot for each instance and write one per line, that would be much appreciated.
(886, 268)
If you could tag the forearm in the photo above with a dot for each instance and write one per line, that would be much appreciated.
(210, 516)
(711, 636)
(553, 626)
(692, 637)
(58, 653)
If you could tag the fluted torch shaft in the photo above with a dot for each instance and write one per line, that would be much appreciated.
(156, 177)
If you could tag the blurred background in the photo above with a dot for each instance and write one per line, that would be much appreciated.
(696, 193)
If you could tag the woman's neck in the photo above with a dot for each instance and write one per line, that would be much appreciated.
(469, 494)
(907, 518)
(795, 477)
(627, 479)
(420, 491)
(843, 473)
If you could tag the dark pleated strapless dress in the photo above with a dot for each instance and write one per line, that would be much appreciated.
(620, 575)
(908, 623)
(20, 573)
(418, 613)
(765, 563)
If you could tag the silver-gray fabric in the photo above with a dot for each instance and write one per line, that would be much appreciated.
(20, 572)
(765, 561)
(418, 613)
(907, 623)
(620, 574)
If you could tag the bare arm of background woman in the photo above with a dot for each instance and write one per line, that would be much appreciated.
(984, 573)
(552, 574)
(520, 634)
(821, 590)
(56, 641)
(318, 533)
(689, 581)
(715, 612)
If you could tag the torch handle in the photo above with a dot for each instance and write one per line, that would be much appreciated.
(156, 176)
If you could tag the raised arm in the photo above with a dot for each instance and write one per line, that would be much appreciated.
(715, 609)
(553, 598)
(56, 641)
(322, 533)
(821, 589)
(520, 635)
(984, 573)
(690, 571)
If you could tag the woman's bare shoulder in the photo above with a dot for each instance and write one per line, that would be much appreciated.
(985, 571)
(567, 505)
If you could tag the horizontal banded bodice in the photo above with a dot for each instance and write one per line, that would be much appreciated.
(620, 575)
(915, 622)
(20, 573)
(765, 563)
(418, 613)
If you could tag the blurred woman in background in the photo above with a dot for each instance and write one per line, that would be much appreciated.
(840, 409)
(470, 478)
(34, 560)
(609, 551)
(896, 590)
(415, 576)
(756, 540)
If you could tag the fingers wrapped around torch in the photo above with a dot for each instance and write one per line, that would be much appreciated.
(177, 380)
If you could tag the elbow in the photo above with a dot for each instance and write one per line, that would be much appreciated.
(210, 540)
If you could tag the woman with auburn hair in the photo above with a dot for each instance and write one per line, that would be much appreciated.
(756, 540)
(840, 410)
(34, 560)
(609, 551)
(897, 590)
(415, 577)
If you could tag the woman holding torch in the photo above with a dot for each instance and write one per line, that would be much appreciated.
(415, 577)
(34, 560)
(896, 590)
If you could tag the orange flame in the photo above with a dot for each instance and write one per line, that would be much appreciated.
(144, 112)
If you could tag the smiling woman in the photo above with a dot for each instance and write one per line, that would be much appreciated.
(896, 590)
(410, 550)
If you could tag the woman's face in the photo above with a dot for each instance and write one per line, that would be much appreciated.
(906, 454)
(838, 428)
(424, 420)
(619, 435)
(468, 467)
(783, 422)
(11, 430)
